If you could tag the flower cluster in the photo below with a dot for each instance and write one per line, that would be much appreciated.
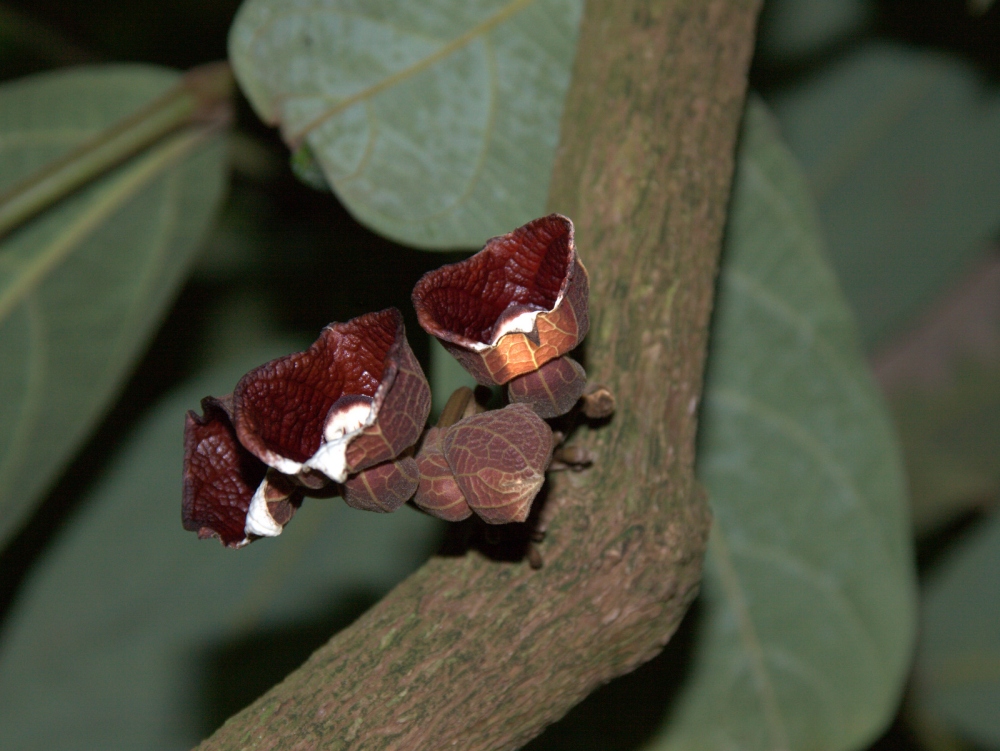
(348, 414)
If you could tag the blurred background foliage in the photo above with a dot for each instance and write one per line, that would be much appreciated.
(892, 109)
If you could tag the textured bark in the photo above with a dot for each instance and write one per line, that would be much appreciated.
(476, 653)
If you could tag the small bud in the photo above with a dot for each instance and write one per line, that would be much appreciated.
(598, 403)
(575, 458)
(461, 403)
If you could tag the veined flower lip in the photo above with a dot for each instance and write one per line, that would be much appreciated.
(343, 424)
(498, 461)
(333, 407)
(518, 303)
(437, 492)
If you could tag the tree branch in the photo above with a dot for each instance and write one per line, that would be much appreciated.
(476, 653)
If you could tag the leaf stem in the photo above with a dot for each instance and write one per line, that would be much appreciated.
(202, 95)
(167, 153)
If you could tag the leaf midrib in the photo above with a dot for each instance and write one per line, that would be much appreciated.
(733, 589)
(836, 598)
(113, 198)
(388, 82)
(31, 400)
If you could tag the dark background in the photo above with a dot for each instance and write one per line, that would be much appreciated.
(313, 264)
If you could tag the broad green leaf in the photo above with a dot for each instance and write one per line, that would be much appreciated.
(902, 149)
(83, 285)
(435, 121)
(958, 661)
(807, 617)
(133, 634)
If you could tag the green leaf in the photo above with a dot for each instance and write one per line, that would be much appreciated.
(958, 662)
(134, 634)
(83, 285)
(902, 149)
(436, 123)
(807, 616)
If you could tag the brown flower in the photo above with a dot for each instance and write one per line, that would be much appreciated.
(518, 303)
(357, 397)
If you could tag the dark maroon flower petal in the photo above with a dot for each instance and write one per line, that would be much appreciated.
(355, 398)
(499, 460)
(220, 476)
(384, 487)
(438, 494)
(518, 303)
(552, 390)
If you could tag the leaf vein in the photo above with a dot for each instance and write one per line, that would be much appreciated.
(733, 589)
(743, 282)
(830, 586)
(804, 438)
(388, 82)
(33, 393)
(111, 199)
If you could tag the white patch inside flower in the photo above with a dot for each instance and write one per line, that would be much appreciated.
(344, 424)
(523, 323)
(259, 520)
(284, 465)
